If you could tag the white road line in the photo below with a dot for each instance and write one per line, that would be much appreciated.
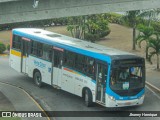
(153, 92)
(153, 86)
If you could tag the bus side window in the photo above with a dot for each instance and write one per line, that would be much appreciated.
(37, 49)
(69, 59)
(47, 52)
(34, 48)
(16, 42)
(90, 67)
(80, 63)
(56, 59)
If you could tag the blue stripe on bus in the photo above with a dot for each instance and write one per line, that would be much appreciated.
(67, 47)
(94, 81)
(118, 97)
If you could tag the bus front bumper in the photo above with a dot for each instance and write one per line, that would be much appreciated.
(111, 102)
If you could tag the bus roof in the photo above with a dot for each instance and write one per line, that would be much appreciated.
(58, 39)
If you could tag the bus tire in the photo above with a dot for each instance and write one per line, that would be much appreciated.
(37, 78)
(88, 98)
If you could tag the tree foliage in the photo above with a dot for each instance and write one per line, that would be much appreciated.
(145, 33)
(150, 15)
(152, 39)
(76, 26)
(2, 48)
(131, 19)
(113, 18)
(154, 45)
(91, 27)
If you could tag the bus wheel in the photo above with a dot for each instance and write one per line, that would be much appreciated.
(88, 98)
(38, 79)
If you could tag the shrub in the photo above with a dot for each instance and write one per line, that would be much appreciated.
(113, 17)
(8, 47)
(105, 33)
(156, 26)
(92, 37)
(2, 48)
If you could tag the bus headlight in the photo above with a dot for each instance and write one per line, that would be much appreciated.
(141, 97)
(112, 98)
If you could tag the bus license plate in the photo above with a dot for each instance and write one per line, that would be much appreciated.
(128, 103)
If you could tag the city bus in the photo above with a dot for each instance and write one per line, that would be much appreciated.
(99, 74)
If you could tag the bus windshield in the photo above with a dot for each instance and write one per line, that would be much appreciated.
(127, 78)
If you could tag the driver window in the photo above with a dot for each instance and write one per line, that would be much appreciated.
(124, 74)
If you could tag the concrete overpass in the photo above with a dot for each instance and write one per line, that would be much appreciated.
(12, 11)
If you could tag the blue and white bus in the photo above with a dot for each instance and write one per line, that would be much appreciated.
(99, 74)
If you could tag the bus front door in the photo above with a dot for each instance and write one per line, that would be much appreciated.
(24, 56)
(57, 67)
(101, 77)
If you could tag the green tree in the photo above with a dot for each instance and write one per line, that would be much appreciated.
(113, 17)
(97, 27)
(76, 26)
(97, 24)
(2, 48)
(8, 47)
(150, 15)
(131, 18)
(91, 27)
(154, 45)
(145, 34)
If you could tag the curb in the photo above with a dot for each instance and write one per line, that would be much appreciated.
(4, 55)
(151, 85)
(33, 100)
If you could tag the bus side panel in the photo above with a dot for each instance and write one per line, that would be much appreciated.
(15, 60)
(67, 82)
(79, 84)
(74, 82)
(93, 88)
(88, 82)
(43, 66)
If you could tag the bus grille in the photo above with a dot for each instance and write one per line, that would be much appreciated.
(131, 92)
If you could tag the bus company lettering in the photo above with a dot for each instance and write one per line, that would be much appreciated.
(49, 70)
(79, 79)
(39, 64)
(133, 97)
(67, 75)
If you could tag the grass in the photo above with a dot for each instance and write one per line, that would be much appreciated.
(5, 36)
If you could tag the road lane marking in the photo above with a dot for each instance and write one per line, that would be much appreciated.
(153, 92)
(37, 104)
(153, 86)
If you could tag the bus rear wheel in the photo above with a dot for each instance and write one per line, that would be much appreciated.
(38, 78)
(88, 98)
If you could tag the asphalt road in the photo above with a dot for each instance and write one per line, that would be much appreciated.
(57, 100)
